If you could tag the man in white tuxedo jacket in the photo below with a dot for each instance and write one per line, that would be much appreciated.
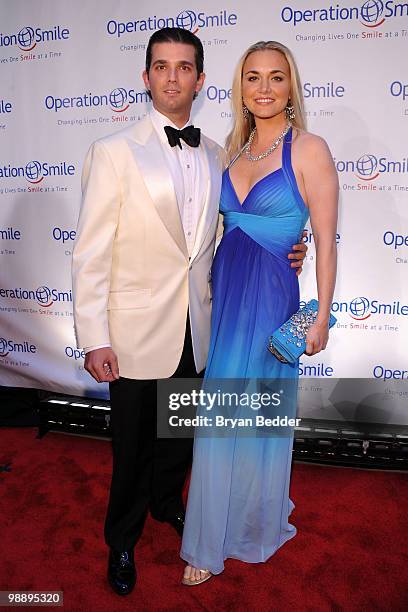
(142, 306)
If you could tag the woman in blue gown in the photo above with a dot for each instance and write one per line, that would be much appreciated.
(238, 503)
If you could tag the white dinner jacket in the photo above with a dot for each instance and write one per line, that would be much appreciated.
(132, 277)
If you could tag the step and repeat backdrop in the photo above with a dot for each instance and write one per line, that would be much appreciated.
(71, 73)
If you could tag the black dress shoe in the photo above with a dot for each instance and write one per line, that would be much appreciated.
(177, 521)
(122, 571)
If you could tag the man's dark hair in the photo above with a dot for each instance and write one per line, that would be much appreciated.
(177, 35)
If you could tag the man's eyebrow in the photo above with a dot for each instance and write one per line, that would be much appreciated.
(183, 62)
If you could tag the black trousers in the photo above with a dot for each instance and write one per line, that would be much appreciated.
(148, 472)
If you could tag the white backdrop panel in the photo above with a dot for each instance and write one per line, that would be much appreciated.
(71, 73)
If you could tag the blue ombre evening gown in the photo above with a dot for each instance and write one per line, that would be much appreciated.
(238, 503)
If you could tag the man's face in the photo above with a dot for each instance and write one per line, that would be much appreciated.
(172, 78)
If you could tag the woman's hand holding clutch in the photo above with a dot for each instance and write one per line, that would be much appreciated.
(317, 338)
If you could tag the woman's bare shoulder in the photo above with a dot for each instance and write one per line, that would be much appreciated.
(309, 144)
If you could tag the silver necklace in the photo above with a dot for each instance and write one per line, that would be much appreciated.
(247, 147)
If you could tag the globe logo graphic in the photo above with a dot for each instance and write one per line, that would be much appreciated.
(366, 165)
(43, 295)
(33, 171)
(25, 38)
(359, 307)
(372, 10)
(118, 98)
(3, 347)
(186, 20)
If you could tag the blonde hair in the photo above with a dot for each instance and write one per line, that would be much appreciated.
(243, 126)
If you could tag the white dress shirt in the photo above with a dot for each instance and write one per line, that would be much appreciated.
(187, 168)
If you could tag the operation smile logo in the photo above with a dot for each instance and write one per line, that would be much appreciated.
(10, 346)
(384, 373)
(5, 107)
(35, 172)
(119, 100)
(371, 13)
(361, 308)
(369, 167)
(397, 89)
(189, 20)
(394, 240)
(27, 38)
(44, 296)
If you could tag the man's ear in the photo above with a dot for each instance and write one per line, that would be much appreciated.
(145, 77)
(200, 82)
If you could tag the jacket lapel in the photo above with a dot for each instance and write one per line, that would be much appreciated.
(147, 151)
(211, 201)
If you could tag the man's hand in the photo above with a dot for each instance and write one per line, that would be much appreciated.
(298, 254)
(102, 364)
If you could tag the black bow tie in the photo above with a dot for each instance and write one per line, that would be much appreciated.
(189, 134)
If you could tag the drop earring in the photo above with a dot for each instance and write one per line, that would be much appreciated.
(290, 111)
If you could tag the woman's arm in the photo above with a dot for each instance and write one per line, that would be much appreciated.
(322, 190)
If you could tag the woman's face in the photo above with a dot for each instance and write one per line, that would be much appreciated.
(266, 83)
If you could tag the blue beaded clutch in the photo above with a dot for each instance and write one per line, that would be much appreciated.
(288, 342)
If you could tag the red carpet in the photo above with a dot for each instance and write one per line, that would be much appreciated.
(350, 552)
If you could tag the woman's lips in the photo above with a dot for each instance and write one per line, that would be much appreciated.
(264, 100)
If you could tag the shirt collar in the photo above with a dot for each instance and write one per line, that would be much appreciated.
(160, 121)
